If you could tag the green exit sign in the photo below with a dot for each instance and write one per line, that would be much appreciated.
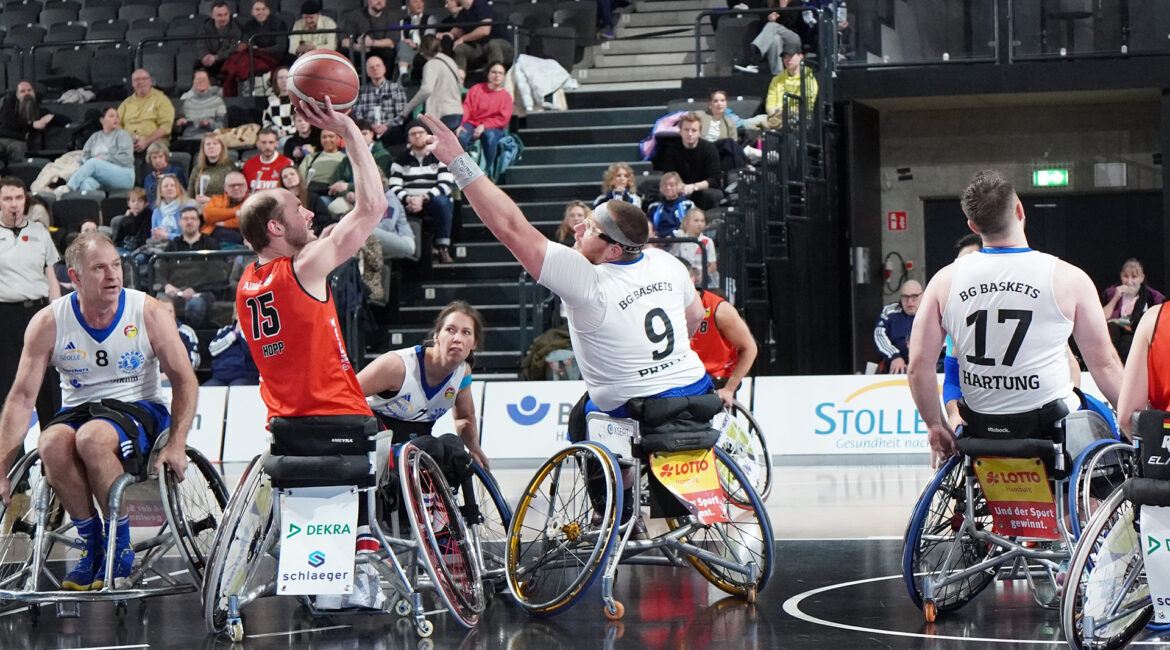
(1050, 177)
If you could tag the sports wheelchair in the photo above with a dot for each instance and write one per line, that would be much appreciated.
(435, 554)
(37, 537)
(955, 547)
(743, 440)
(1109, 598)
(573, 521)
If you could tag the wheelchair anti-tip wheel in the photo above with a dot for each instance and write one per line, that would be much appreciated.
(19, 526)
(194, 508)
(447, 551)
(743, 440)
(489, 525)
(562, 530)
(936, 540)
(744, 540)
(1106, 602)
(241, 551)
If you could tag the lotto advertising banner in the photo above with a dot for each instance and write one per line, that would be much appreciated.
(318, 529)
(839, 414)
(527, 419)
(1155, 542)
(1019, 496)
(691, 476)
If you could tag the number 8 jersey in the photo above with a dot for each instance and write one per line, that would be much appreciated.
(1010, 337)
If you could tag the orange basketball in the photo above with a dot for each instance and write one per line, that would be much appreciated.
(318, 74)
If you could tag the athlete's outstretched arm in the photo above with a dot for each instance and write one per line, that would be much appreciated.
(387, 372)
(1135, 384)
(733, 328)
(39, 337)
(499, 212)
(1089, 328)
(926, 341)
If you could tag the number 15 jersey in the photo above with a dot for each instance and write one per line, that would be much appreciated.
(1010, 337)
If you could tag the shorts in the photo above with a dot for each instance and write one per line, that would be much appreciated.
(158, 418)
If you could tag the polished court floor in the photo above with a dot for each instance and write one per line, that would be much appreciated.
(837, 585)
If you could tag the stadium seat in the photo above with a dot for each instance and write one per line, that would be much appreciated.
(168, 11)
(732, 37)
(159, 60)
(72, 208)
(91, 14)
(110, 70)
(131, 13)
(24, 36)
(113, 28)
(59, 14)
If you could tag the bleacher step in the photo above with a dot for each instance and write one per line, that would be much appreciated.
(596, 153)
(629, 60)
(634, 72)
(658, 44)
(677, 5)
(661, 17)
(564, 173)
(584, 135)
(592, 117)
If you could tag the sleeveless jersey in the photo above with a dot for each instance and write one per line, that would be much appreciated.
(1158, 364)
(718, 354)
(116, 362)
(627, 322)
(296, 344)
(416, 401)
(1009, 334)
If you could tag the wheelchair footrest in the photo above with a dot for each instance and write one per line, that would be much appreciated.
(1147, 491)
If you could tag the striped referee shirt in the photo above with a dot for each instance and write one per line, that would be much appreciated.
(410, 176)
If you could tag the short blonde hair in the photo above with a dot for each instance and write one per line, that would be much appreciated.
(607, 179)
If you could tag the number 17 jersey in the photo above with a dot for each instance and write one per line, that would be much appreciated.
(1010, 337)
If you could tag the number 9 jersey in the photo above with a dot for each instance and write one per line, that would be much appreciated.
(1010, 336)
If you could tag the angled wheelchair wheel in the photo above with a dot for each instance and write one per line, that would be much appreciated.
(20, 527)
(562, 529)
(447, 552)
(937, 540)
(1097, 472)
(489, 529)
(742, 440)
(194, 508)
(745, 539)
(1106, 602)
(241, 563)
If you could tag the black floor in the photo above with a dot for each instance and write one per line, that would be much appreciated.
(837, 595)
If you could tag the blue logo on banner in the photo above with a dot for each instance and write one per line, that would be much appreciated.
(316, 559)
(527, 412)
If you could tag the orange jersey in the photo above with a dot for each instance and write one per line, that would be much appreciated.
(1158, 364)
(296, 343)
(718, 354)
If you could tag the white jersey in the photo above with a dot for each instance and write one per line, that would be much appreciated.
(416, 401)
(1010, 337)
(627, 322)
(117, 362)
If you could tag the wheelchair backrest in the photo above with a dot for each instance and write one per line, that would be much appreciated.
(617, 434)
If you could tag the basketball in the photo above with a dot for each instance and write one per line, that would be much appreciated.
(318, 74)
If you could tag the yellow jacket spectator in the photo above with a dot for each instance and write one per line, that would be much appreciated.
(147, 114)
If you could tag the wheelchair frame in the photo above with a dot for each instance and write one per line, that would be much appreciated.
(50, 528)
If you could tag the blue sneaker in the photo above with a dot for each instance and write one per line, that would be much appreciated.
(83, 577)
(123, 563)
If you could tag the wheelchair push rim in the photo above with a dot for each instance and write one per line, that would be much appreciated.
(194, 509)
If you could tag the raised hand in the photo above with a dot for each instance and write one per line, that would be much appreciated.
(442, 142)
(323, 117)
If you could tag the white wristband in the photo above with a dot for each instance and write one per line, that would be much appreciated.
(464, 169)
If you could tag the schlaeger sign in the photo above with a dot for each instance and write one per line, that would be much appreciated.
(527, 419)
(843, 414)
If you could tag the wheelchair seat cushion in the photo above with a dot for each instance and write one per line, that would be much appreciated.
(1023, 448)
(676, 423)
(323, 435)
(1147, 491)
(317, 471)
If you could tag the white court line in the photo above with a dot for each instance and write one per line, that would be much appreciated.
(295, 632)
(792, 608)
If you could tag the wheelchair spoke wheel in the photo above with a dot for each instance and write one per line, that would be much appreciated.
(489, 529)
(19, 527)
(563, 529)
(242, 545)
(1099, 470)
(744, 442)
(194, 509)
(745, 540)
(447, 552)
(938, 541)
(1107, 600)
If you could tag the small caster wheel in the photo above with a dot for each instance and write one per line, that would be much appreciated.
(618, 611)
(424, 628)
(928, 610)
(235, 631)
(120, 610)
(402, 607)
(750, 594)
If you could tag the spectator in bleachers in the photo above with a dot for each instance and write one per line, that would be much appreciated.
(171, 198)
(211, 166)
(132, 228)
(441, 88)
(695, 160)
(693, 225)
(618, 183)
(279, 112)
(424, 186)
(382, 103)
(487, 110)
(221, 215)
(263, 169)
(305, 140)
(311, 19)
(158, 155)
(341, 184)
(490, 42)
(411, 39)
(717, 126)
(291, 180)
(183, 281)
(186, 333)
(202, 109)
(147, 114)
(318, 170)
(231, 361)
(605, 17)
(575, 213)
(393, 231)
(780, 35)
(788, 82)
(20, 115)
(269, 47)
(221, 37)
(367, 19)
(667, 214)
(37, 211)
(109, 159)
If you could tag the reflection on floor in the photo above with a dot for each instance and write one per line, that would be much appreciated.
(837, 585)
